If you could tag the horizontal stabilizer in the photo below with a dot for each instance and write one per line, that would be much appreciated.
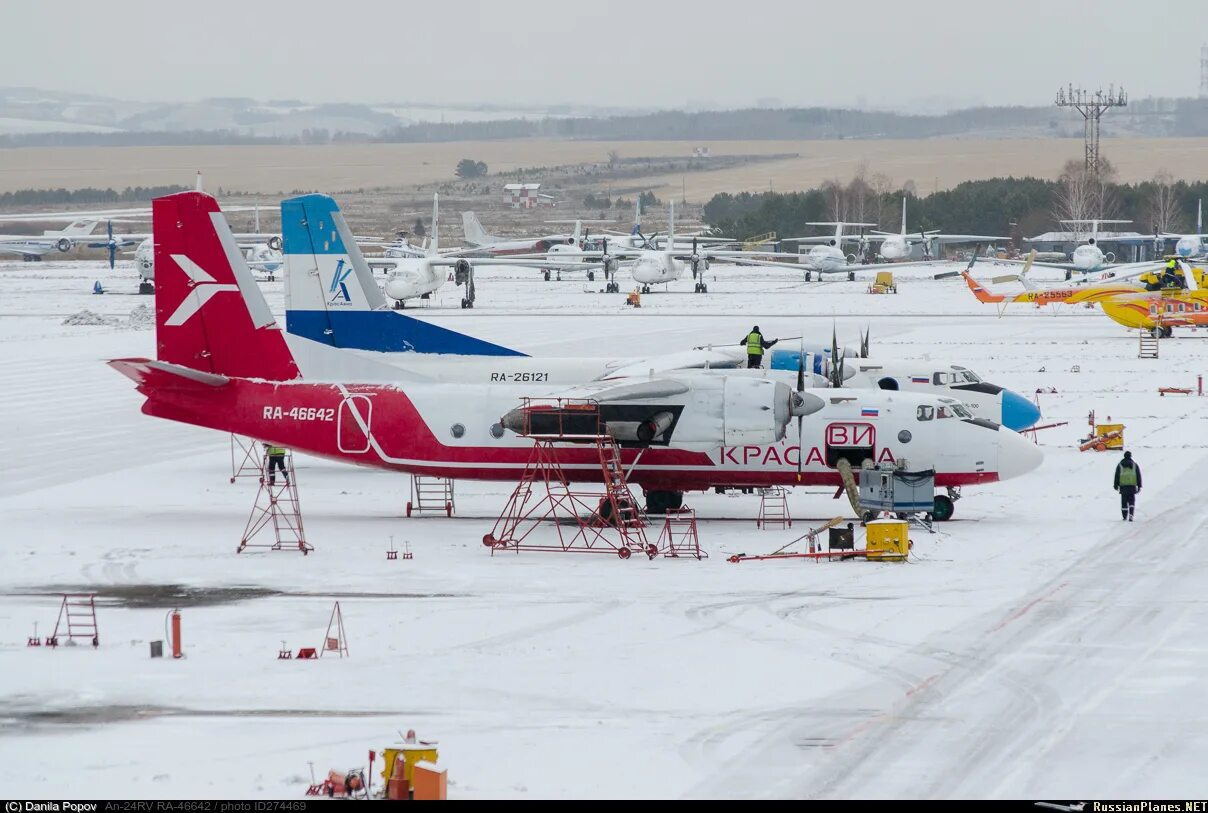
(162, 375)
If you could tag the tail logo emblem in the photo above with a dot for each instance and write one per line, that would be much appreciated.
(339, 288)
(204, 287)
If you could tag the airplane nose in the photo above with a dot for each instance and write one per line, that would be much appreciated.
(1018, 413)
(1016, 455)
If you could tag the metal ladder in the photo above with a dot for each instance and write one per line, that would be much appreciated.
(616, 487)
(773, 508)
(77, 619)
(1149, 342)
(431, 495)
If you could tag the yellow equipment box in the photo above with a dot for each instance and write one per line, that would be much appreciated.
(883, 284)
(1116, 442)
(410, 753)
(886, 540)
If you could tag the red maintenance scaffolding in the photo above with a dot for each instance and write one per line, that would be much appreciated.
(584, 520)
(277, 507)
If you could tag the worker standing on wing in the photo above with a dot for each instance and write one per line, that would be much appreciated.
(756, 344)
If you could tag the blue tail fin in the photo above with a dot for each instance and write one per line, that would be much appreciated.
(331, 296)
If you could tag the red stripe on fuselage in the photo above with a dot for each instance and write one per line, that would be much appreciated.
(313, 418)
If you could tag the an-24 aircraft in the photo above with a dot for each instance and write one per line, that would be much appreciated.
(330, 297)
(223, 363)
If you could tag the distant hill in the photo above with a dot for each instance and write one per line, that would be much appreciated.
(33, 117)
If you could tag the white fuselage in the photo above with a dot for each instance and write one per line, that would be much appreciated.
(144, 259)
(825, 259)
(412, 278)
(1088, 258)
(656, 267)
(1189, 246)
(36, 246)
(895, 248)
(265, 260)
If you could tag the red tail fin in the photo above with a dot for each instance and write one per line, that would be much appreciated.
(980, 292)
(209, 312)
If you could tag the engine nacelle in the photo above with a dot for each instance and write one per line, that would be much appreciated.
(462, 272)
(63, 245)
(274, 243)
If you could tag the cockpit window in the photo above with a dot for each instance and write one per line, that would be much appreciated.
(961, 411)
(941, 378)
(925, 413)
(966, 375)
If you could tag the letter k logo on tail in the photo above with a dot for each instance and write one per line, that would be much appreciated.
(339, 284)
(203, 287)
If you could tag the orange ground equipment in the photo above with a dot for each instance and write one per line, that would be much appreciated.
(1104, 436)
(403, 776)
(177, 650)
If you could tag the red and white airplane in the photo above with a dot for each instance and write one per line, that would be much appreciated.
(224, 363)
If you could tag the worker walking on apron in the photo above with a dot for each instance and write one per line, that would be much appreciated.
(1128, 483)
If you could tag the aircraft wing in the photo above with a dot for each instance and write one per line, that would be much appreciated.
(625, 388)
(793, 266)
(964, 238)
(12, 250)
(520, 262)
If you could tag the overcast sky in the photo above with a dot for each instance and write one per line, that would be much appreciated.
(614, 52)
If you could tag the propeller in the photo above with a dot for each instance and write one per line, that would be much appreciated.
(800, 415)
(926, 245)
(836, 369)
(696, 261)
(110, 245)
(610, 264)
(865, 336)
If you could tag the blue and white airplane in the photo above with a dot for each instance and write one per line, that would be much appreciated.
(331, 297)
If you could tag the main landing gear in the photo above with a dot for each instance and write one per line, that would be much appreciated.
(701, 288)
(660, 502)
(645, 289)
(945, 505)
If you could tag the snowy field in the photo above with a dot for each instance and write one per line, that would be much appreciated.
(1036, 646)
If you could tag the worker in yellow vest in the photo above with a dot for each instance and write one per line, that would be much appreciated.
(756, 344)
(276, 460)
(1128, 483)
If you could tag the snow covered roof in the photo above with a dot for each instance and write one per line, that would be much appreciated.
(1079, 237)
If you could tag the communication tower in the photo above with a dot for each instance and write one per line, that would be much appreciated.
(1204, 71)
(1092, 106)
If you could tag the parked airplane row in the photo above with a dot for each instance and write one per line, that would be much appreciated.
(222, 362)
